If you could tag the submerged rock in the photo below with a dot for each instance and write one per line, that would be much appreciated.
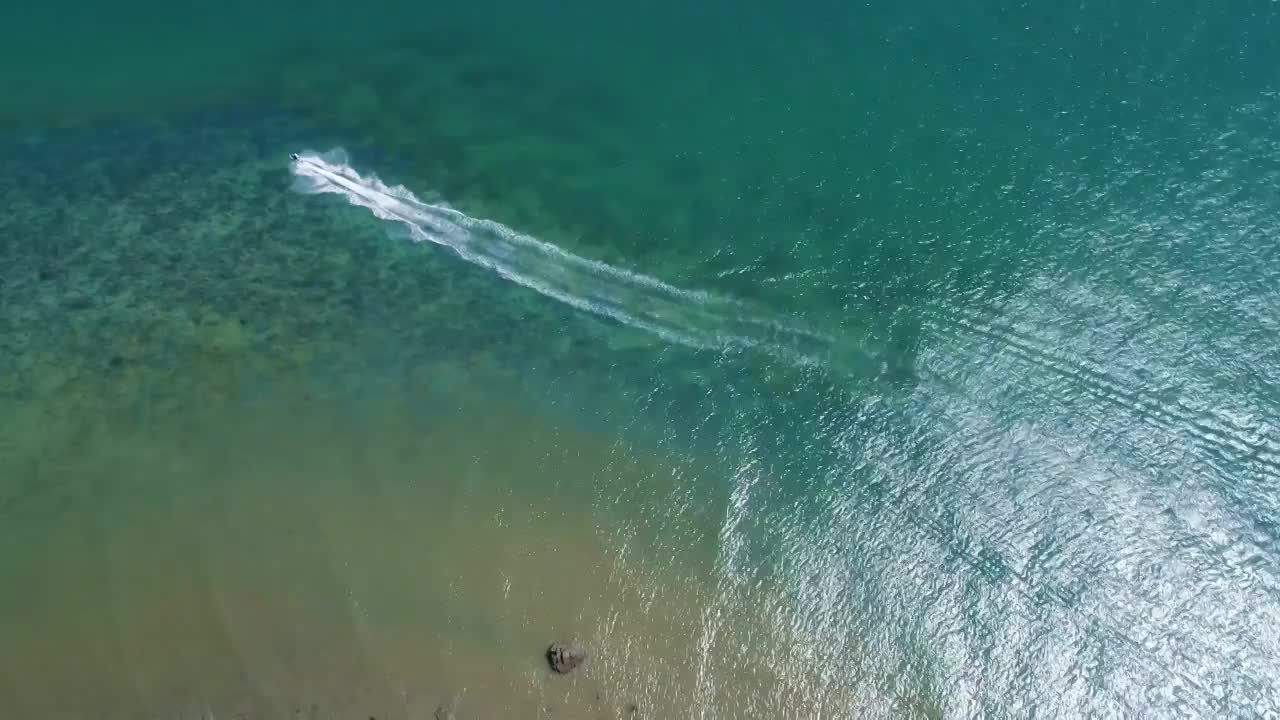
(564, 658)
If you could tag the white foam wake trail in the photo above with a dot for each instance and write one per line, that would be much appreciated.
(693, 318)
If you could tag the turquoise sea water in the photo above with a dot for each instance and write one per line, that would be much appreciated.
(907, 359)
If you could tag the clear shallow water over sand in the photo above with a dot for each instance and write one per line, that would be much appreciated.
(258, 456)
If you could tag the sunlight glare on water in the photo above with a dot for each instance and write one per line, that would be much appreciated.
(876, 360)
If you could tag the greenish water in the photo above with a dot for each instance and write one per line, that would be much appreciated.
(890, 360)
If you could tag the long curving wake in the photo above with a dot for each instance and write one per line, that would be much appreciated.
(693, 318)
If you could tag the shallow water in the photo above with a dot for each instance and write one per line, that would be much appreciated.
(878, 361)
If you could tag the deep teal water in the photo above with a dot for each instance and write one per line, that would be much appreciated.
(1031, 468)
